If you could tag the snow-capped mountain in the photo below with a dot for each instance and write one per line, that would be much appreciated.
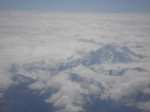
(109, 53)
(29, 74)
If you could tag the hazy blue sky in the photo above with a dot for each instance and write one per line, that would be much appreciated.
(77, 5)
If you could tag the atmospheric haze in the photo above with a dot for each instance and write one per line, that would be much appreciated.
(77, 58)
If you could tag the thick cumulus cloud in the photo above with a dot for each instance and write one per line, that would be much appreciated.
(29, 38)
(128, 84)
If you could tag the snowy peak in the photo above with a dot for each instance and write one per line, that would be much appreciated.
(111, 54)
(106, 54)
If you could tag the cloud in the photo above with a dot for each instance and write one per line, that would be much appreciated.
(144, 106)
(69, 95)
(127, 85)
(28, 39)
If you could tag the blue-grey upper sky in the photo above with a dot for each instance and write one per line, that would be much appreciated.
(77, 5)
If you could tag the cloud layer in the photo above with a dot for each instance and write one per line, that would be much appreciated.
(30, 39)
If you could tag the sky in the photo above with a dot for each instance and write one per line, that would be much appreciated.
(102, 6)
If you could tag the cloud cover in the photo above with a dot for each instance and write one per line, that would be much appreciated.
(28, 38)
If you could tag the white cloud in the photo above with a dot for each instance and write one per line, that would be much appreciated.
(124, 89)
(69, 95)
(145, 106)
(27, 38)
(130, 83)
